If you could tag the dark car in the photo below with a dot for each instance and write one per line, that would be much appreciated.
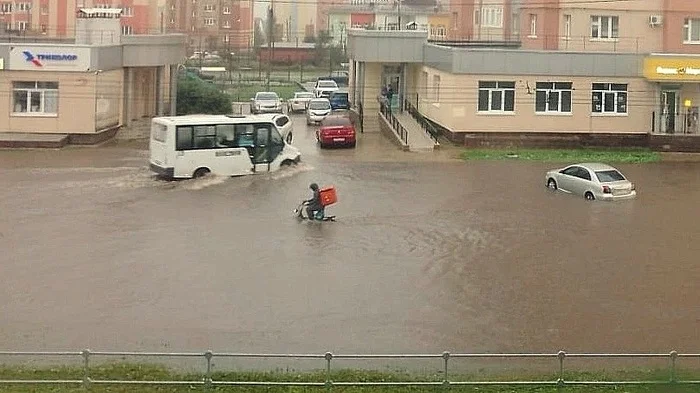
(339, 100)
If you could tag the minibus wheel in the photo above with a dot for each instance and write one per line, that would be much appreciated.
(200, 172)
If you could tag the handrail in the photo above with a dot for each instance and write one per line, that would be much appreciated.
(327, 358)
(429, 129)
(385, 110)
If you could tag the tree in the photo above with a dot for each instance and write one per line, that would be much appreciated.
(258, 36)
(323, 41)
(196, 96)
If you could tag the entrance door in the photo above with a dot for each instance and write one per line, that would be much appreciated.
(391, 76)
(669, 110)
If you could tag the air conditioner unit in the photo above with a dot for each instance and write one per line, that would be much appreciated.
(655, 20)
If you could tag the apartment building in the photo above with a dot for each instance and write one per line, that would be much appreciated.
(56, 18)
(296, 19)
(212, 24)
(617, 72)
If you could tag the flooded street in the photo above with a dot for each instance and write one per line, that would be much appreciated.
(424, 256)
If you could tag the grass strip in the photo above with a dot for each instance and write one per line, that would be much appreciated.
(149, 372)
(564, 155)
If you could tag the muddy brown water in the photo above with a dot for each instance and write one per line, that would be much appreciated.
(425, 256)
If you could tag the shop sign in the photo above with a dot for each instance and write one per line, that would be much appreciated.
(672, 68)
(49, 58)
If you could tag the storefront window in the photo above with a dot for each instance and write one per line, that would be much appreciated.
(691, 30)
(496, 96)
(35, 97)
(553, 97)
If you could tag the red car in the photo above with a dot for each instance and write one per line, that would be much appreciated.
(336, 130)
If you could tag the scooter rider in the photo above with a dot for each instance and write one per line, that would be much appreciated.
(313, 205)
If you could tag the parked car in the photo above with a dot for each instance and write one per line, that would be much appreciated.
(592, 181)
(325, 87)
(265, 102)
(317, 110)
(283, 122)
(340, 99)
(336, 130)
(299, 102)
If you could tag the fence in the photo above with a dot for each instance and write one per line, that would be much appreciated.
(328, 358)
(393, 121)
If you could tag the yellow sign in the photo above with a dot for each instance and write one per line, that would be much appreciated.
(687, 103)
(672, 68)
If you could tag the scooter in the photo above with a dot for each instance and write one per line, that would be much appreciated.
(318, 216)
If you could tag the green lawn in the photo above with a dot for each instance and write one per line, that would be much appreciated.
(142, 372)
(244, 92)
(563, 155)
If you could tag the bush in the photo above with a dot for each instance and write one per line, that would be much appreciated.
(197, 96)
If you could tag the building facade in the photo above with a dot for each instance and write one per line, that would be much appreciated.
(222, 25)
(86, 90)
(57, 18)
(603, 71)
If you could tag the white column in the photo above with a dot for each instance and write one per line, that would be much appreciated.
(159, 91)
(128, 94)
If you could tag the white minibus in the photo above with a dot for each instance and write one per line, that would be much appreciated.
(183, 147)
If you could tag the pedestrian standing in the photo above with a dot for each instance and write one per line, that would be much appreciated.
(389, 95)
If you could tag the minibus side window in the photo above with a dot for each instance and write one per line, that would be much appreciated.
(204, 137)
(184, 138)
(225, 135)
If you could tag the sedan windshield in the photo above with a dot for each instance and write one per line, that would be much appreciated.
(609, 176)
(319, 105)
(266, 97)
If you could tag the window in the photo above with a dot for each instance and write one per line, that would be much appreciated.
(492, 16)
(609, 176)
(691, 31)
(35, 97)
(43, 29)
(609, 98)
(209, 7)
(553, 97)
(24, 6)
(477, 17)
(127, 30)
(209, 21)
(424, 83)
(605, 27)
(172, 21)
(567, 27)
(227, 24)
(44, 9)
(281, 121)
(226, 38)
(204, 137)
(127, 11)
(533, 25)
(436, 88)
(226, 10)
(6, 8)
(496, 96)
(21, 25)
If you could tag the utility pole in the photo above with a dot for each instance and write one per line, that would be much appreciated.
(270, 37)
(400, 28)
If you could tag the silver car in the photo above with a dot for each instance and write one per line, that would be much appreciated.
(299, 102)
(265, 102)
(317, 110)
(592, 181)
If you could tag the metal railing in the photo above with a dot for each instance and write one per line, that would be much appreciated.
(327, 358)
(429, 129)
(683, 123)
(386, 111)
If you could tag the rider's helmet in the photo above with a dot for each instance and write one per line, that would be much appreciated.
(314, 186)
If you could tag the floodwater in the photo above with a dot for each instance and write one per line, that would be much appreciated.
(425, 256)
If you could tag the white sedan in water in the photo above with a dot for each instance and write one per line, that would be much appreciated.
(299, 102)
(591, 181)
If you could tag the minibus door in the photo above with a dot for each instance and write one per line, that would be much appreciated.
(261, 155)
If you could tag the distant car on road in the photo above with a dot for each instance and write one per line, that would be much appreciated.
(265, 102)
(592, 181)
(336, 130)
(317, 110)
(324, 87)
(340, 99)
(299, 102)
